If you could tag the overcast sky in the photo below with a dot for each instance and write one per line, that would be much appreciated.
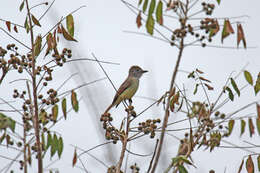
(99, 29)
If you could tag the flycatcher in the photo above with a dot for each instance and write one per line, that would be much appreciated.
(129, 87)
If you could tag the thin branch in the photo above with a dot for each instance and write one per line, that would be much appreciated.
(46, 10)
(97, 146)
(223, 18)
(15, 39)
(80, 86)
(151, 162)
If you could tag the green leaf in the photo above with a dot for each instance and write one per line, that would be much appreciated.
(184, 159)
(21, 6)
(2, 137)
(243, 125)
(6, 122)
(175, 160)
(159, 13)
(230, 126)
(70, 24)
(257, 88)
(258, 124)
(150, 24)
(43, 142)
(54, 145)
(248, 77)
(182, 169)
(26, 25)
(64, 108)
(196, 89)
(218, 1)
(74, 101)
(140, 2)
(230, 93)
(234, 85)
(145, 5)
(49, 141)
(54, 110)
(151, 8)
(60, 146)
(37, 45)
(257, 85)
(35, 21)
(43, 117)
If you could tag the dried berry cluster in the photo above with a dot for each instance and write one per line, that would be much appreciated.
(51, 99)
(149, 127)
(208, 24)
(112, 169)
(2, 52)
(174, 5)
(213, 141)
(134, 168)
(208, 8)
(130, 111)
(60, 59)
(111, 132)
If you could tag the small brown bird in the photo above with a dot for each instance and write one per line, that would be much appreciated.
(129, 87)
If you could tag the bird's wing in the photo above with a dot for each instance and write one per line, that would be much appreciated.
(121, 89)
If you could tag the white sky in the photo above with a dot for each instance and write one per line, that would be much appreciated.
(99, 29)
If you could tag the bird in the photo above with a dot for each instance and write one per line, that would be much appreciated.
(129, 87)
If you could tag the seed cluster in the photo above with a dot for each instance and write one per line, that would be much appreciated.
(112, 169)
(60, 59)
(208, 8)
(111, 132)
(135, 168)
(149, 127)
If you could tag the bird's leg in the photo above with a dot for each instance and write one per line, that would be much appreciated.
(130, 101)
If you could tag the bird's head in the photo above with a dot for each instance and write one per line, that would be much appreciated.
(136, 71)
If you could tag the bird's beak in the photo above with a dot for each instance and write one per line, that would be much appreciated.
(144, 71)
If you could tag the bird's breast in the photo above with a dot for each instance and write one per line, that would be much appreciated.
(131, 90)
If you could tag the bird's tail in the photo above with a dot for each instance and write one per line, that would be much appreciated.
(109, 107)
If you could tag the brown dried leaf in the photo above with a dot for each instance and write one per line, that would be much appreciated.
(229, 28)
(74, 161)
(241, 166)
(209, 87)
(214, 30)
(161, 20)
(59, 29)
(15, 29)
(251, 127)
(240, 35)
(202, 78)
(35, 21)
(74, 101)
(199, 71)
(249, 165)
(8, 25)
(66, 35)
(258, 110)
(38, 45)
(172, 92)
(49, 44)
(139, 20)
(29, 157)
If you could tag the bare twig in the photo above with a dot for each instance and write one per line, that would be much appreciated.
(151, 162)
